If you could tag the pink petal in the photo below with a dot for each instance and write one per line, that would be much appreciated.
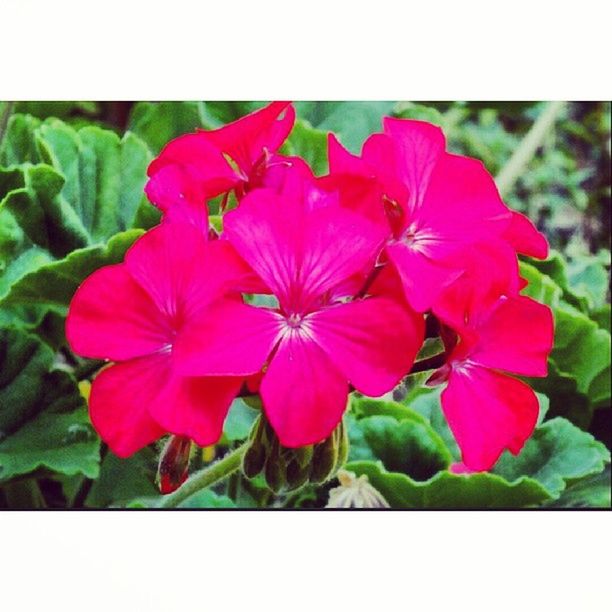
(196, 407)
(516, 337)
(121, 396)
(230, 338)
(179, 196)
(244, 140)
(419, 146)
(423, 278)
(488, 413)
(300, 253)
(372, 342)
(183, 272)
(304, 395)
(342, 161)
(203, 160)
(461, 205)
(337, 244)
(111, 317)
(525, 238)
(266, 235)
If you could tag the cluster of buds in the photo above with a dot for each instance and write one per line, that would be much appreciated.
(287, 469)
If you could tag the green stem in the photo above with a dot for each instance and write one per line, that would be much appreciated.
(529, 145)
(206, 477)
(4, 119)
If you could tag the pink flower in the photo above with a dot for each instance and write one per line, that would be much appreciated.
(487, 410)
(196, 167)
(306, 249)
(438, 205)
(131, 314)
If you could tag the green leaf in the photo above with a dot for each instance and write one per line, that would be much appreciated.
(239, 420)
(54, 283)
(352, 122)
(122, 480)
(24, 364)
(582, 349)
(18, 145)
(157, 123)
(591, 492)
(104, 174)
(308, 143)
(580, 361)
(206, 498)
(556, 453)
(426, 402)
(451, 491)
(398, 436)
(62, 442)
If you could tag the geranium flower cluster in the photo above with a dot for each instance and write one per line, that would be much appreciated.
(351, 264)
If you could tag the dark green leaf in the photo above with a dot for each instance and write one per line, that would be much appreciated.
(451, 491)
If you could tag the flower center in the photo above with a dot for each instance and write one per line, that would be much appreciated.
(294, 321)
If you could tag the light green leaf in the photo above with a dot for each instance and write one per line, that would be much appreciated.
(352, 122)
(308, 143)
(54, 283)
(451, 491)
(556, 453)
(157, 123)
(239, 420)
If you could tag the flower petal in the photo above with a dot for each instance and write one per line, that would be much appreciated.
(229, 338)
(422, 278)
(516, 337)
(488, 413)
(112, 317)
(202, 159)
(196, 407)
(120, 399)
(419, 146)
(372, 342)
(300, 253)
(244, 140)
(304, 395)
(462, 204)
(179, 196)
(182, 271)
(525, 238)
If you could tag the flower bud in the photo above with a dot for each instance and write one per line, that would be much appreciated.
(173, 466)
(287, 469)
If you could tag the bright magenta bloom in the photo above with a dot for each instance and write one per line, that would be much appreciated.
(438, 205)
(196, 167)
(487, 410)
(132, 313)
(306, 249)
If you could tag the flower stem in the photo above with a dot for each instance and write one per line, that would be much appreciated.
(206, 477)
(527, 148)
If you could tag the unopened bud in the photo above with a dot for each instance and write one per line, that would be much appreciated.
(173, 466)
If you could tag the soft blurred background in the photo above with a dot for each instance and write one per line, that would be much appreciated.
(551, 161)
